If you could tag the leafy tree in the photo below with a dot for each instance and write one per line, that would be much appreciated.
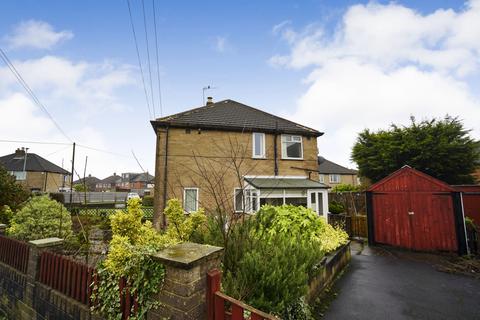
(41, 217)
(12, 195)
(79, 188)
(440, 148)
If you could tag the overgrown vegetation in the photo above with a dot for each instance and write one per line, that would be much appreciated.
(440, 148)
(41, 217)
(271, 256)
(12, 195)
(336, 207)
(343, 187)
(129, 257)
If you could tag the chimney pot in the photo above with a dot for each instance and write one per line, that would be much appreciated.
(20, 152)
(209, 101)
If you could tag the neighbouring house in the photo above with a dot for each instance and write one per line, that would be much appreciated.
(109, 183)
(131, 180)
(230, 156)
(34, 172)
(90, 182)
(126, 181)
(333, 174)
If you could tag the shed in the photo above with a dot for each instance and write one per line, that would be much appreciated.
(410, 209)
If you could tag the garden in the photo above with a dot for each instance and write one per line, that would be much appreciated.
(268, 260)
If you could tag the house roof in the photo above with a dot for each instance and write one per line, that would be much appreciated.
(143, 177)
(111, 179)
(285, 183)
(88, 180)
(230, 115)
(34, 163)
(328, 167)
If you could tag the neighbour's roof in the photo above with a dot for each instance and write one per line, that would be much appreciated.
(111, 179)
(231, 115)
(88, 180)
(329, 167)
(285, 183)
(34, 163)
(143, 177)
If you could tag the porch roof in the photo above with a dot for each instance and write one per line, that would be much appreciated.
(285, 183)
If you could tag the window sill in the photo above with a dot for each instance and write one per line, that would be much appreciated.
(294, 159)
(259, 158)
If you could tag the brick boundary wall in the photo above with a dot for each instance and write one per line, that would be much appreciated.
(331, 266)
(183, 295)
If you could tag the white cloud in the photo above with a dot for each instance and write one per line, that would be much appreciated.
(75, 93)
(36, 34)
(382, 64)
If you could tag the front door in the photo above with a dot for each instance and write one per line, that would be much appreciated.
(315, 201)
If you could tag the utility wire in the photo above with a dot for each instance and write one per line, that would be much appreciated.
(158, 64)
(148, 57)
(30, 92)
(139, 60)
(101, 150)
(36, 142)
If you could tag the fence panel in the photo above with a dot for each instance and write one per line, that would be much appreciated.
(354, 225)
(67, 276)
(223, 307)
(14, 253)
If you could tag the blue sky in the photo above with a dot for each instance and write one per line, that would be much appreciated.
(298, 59)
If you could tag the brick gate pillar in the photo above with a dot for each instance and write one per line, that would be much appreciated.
(33, 268)
(183, 295)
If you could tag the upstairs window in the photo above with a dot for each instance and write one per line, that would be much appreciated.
(258, 145)
(322, 178)
(334, 178)
(190, 199)
(292, 147)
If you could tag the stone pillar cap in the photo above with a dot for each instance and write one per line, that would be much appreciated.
(47, 242)
(186, 255)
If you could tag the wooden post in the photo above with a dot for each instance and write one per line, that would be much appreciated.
(214, 278)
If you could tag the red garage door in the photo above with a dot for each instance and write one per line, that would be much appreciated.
(419, 221)
(412, 210)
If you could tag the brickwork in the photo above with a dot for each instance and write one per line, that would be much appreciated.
(45, 181)
(183, 295)
(22, 297)
(210, 152)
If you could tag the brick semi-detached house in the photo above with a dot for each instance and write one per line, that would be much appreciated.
(230, 156)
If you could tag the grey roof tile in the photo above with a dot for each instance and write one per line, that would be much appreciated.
(34, 162)
(328, 167)
(234, 116)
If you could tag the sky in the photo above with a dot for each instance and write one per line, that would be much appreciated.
(337, 66)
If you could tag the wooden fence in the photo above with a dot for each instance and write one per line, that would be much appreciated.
(223, 307)
(354, 225)
(67, 276)
(14, 253)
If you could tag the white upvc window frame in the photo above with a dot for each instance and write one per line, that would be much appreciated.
(283, 142)
(247, 199)
(185, 198)
(331, 180)
(321, 178)
(263, 154)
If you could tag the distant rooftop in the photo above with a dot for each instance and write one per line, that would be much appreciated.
(231, 115)
(33, 163)
(328, 167)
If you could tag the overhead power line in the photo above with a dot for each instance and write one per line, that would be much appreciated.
(158, 64)
(30, 92)
(35, 142)
(148, 57)
(138, 57)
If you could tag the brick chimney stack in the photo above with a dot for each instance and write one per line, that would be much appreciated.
(209, 101)
(19, 153)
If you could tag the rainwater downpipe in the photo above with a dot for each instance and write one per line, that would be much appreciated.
(164, 221)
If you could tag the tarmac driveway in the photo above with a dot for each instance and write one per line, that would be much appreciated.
(391, 287)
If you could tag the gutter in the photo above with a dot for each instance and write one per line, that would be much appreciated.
(165, 180)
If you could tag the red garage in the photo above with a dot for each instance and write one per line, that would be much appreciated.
(412, 210)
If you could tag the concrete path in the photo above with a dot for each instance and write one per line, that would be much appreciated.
(390, 287)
